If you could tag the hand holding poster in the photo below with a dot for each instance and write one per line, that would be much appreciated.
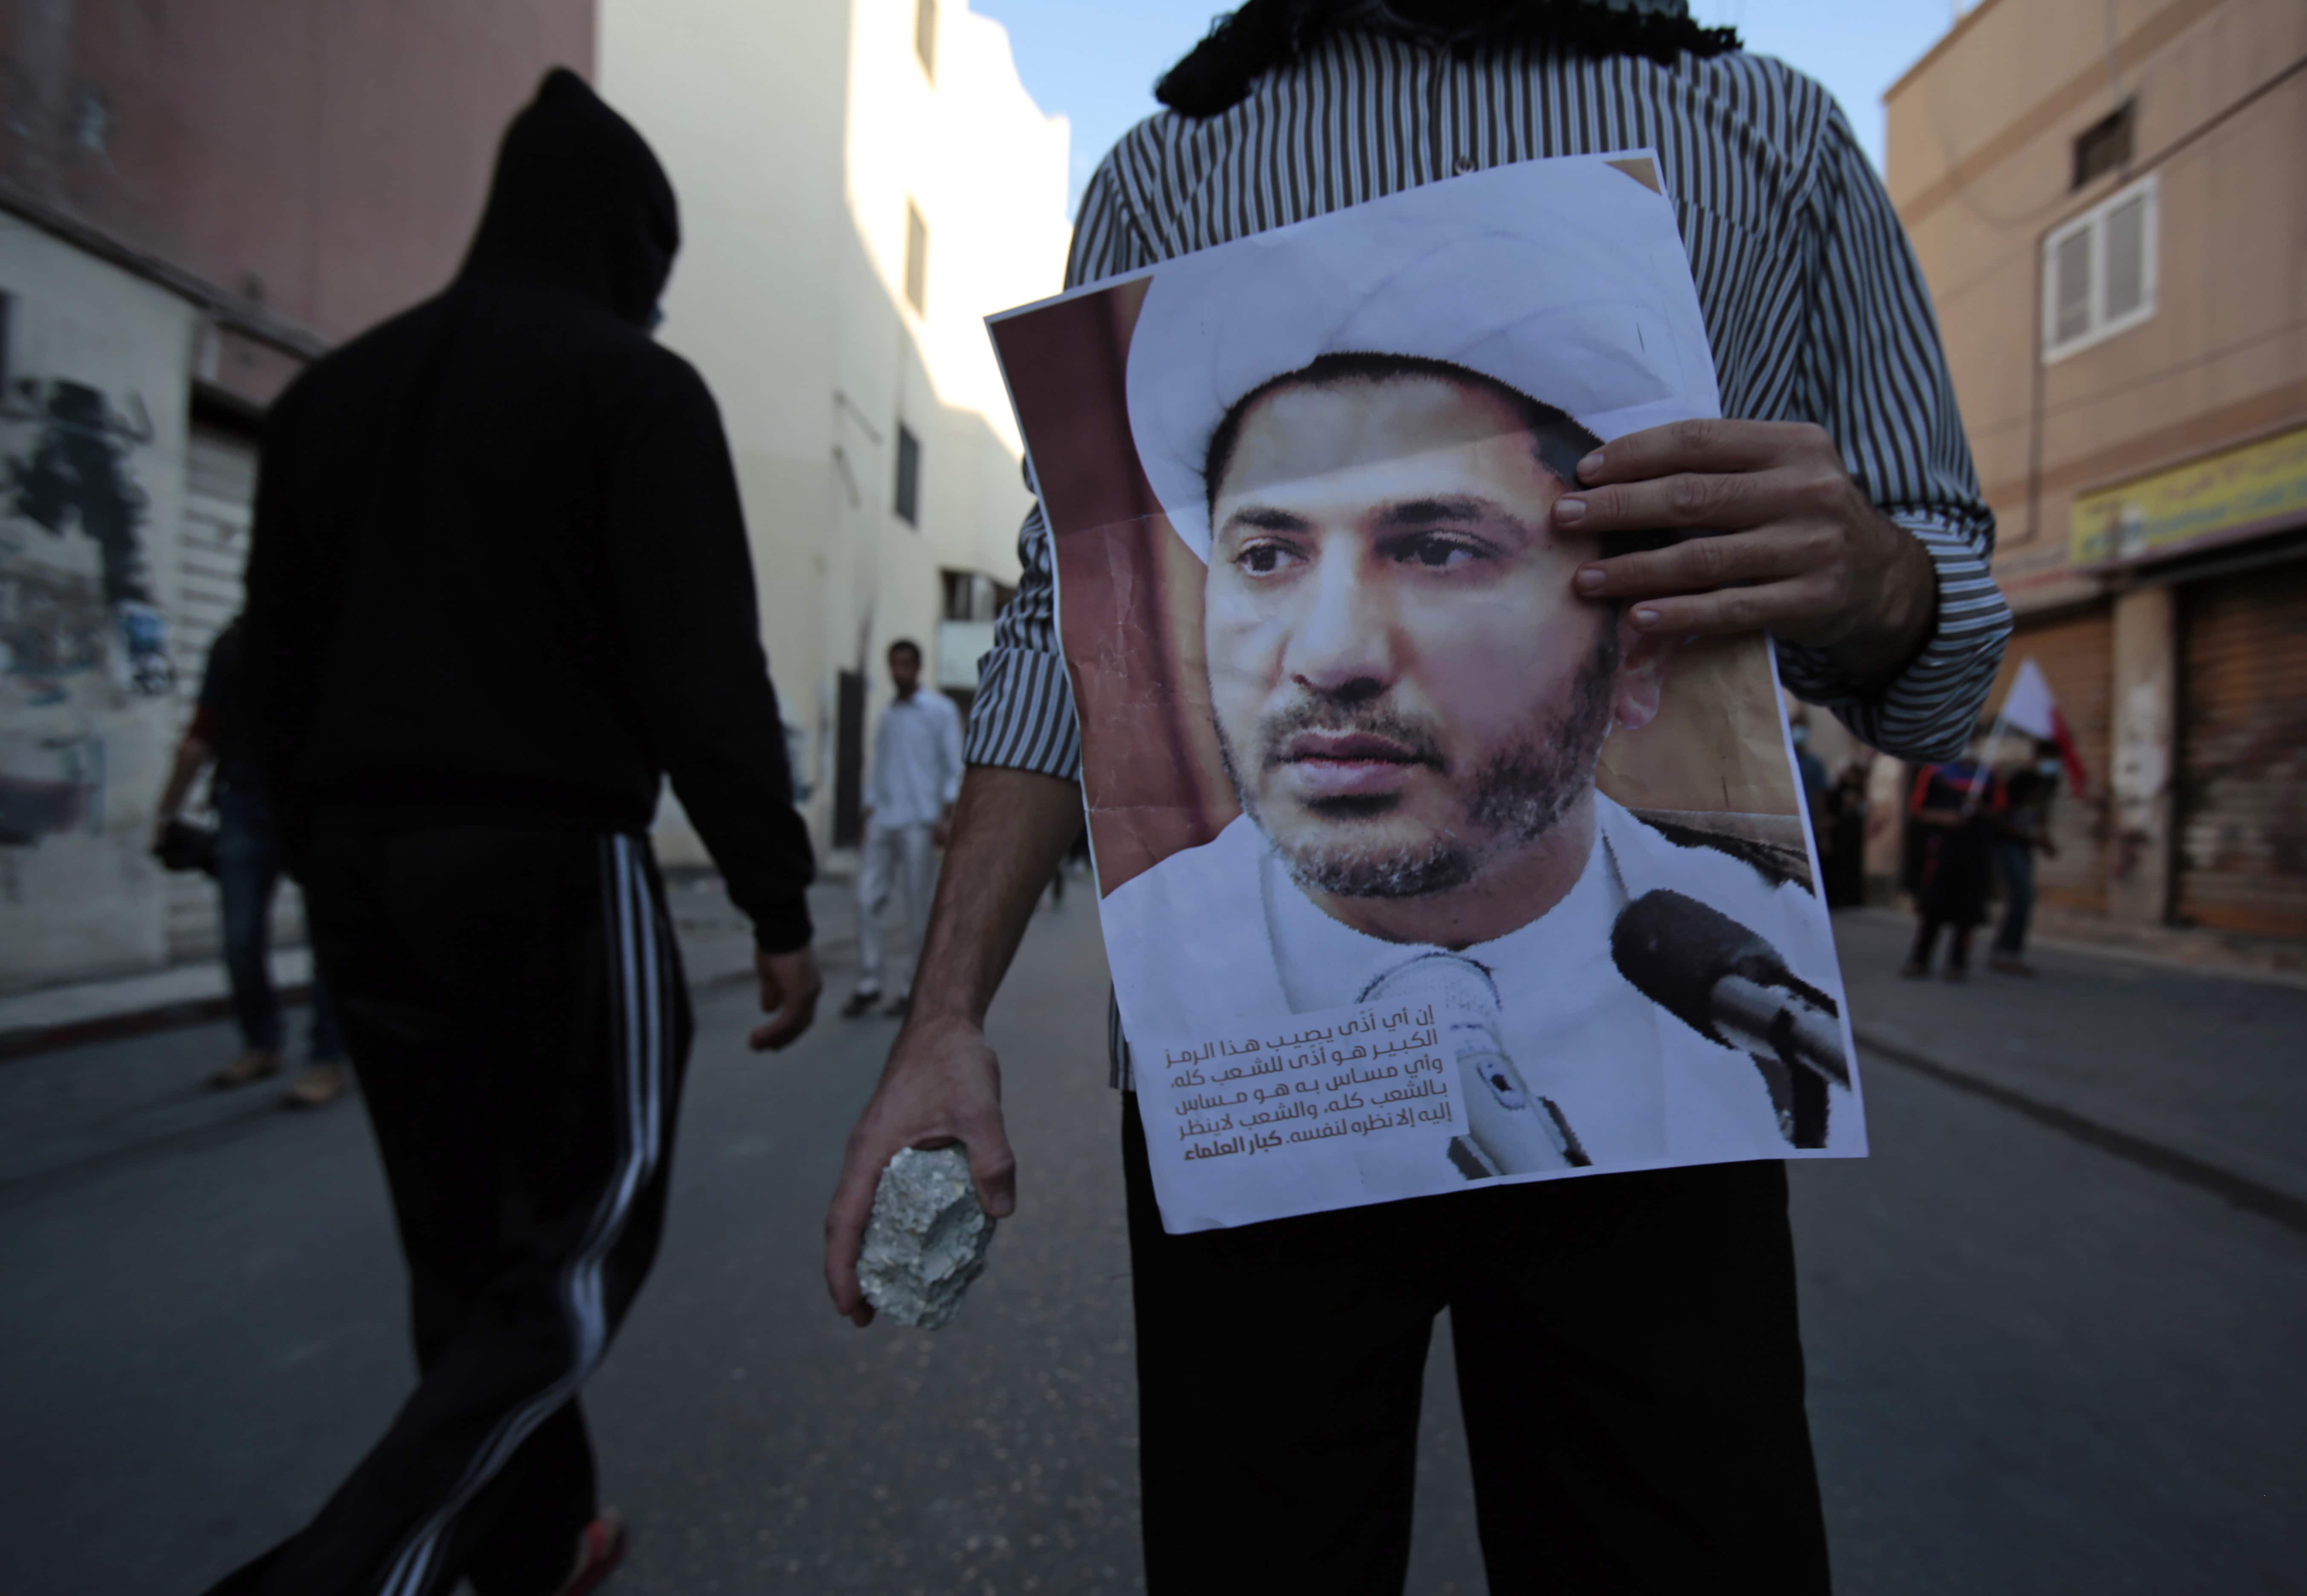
(1418, 868)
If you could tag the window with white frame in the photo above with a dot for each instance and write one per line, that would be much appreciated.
(2099, 271)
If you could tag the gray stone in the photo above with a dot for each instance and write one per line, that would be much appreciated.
(926, 1239)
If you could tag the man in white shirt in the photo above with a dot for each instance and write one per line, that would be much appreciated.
(909, 797)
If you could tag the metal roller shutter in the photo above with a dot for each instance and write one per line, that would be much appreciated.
(2076, 653)
(2243, 753)
(211, 551)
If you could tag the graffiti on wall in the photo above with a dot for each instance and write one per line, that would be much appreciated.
(49, 784)
(76, 479)
(54, 625)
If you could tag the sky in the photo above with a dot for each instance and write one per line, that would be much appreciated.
(1094, 60)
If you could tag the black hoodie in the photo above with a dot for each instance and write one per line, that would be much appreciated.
(500, 570)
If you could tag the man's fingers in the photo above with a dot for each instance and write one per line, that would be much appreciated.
(845, 1232)
(1701, 445)
(790, 985)
(1700, 564)
(796, 1010)
(786, 1027)
(992, 1167)
(1787, 608)
(1728, 502)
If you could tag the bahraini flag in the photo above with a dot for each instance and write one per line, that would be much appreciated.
(2030, 708)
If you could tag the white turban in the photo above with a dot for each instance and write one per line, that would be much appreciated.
(1565, 280)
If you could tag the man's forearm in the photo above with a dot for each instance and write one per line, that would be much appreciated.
(192, 759)
(1010, 828)
(739, 808)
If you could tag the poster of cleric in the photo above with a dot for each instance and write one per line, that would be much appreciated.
(1416, 869)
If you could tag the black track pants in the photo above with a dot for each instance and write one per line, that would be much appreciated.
(512, 1002)
(1629, 1365)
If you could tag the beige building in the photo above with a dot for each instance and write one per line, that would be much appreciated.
(861, 183)
(2109, 199)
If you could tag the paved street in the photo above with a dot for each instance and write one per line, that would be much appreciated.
(2042, 1360)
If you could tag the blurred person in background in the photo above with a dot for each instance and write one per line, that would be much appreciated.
(1845, 839)
(1956, 809)
(499, 588)
(1633, 1385)
(909, 797)
(244, 857)
(2022, 829)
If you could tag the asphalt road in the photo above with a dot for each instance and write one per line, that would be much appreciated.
(2037, 1365)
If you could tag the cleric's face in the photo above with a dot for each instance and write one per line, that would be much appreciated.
(1405, 685)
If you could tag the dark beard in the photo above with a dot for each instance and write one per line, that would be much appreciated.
(1520, 796)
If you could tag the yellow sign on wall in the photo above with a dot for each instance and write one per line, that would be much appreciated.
(2256, 485)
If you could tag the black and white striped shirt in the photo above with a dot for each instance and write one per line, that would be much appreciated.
(1813, 301)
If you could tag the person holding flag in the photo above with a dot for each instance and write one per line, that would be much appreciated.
(2031, 709)
(2024, 825)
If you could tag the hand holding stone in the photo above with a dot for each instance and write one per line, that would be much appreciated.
(941, 1085)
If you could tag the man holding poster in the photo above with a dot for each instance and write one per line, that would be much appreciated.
(1416, 769)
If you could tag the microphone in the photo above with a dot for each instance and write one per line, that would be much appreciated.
(1727, 983)
(1509, 1131)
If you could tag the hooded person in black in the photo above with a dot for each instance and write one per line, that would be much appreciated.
(498, 589)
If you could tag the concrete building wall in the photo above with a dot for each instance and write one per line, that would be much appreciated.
(799, 142)
(1982, 144)
(92, 430)
(745, 111)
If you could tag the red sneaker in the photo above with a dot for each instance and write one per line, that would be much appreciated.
(600, 1547)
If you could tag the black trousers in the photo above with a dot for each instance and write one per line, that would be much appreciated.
(512, 1002)
(1629, 1365)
